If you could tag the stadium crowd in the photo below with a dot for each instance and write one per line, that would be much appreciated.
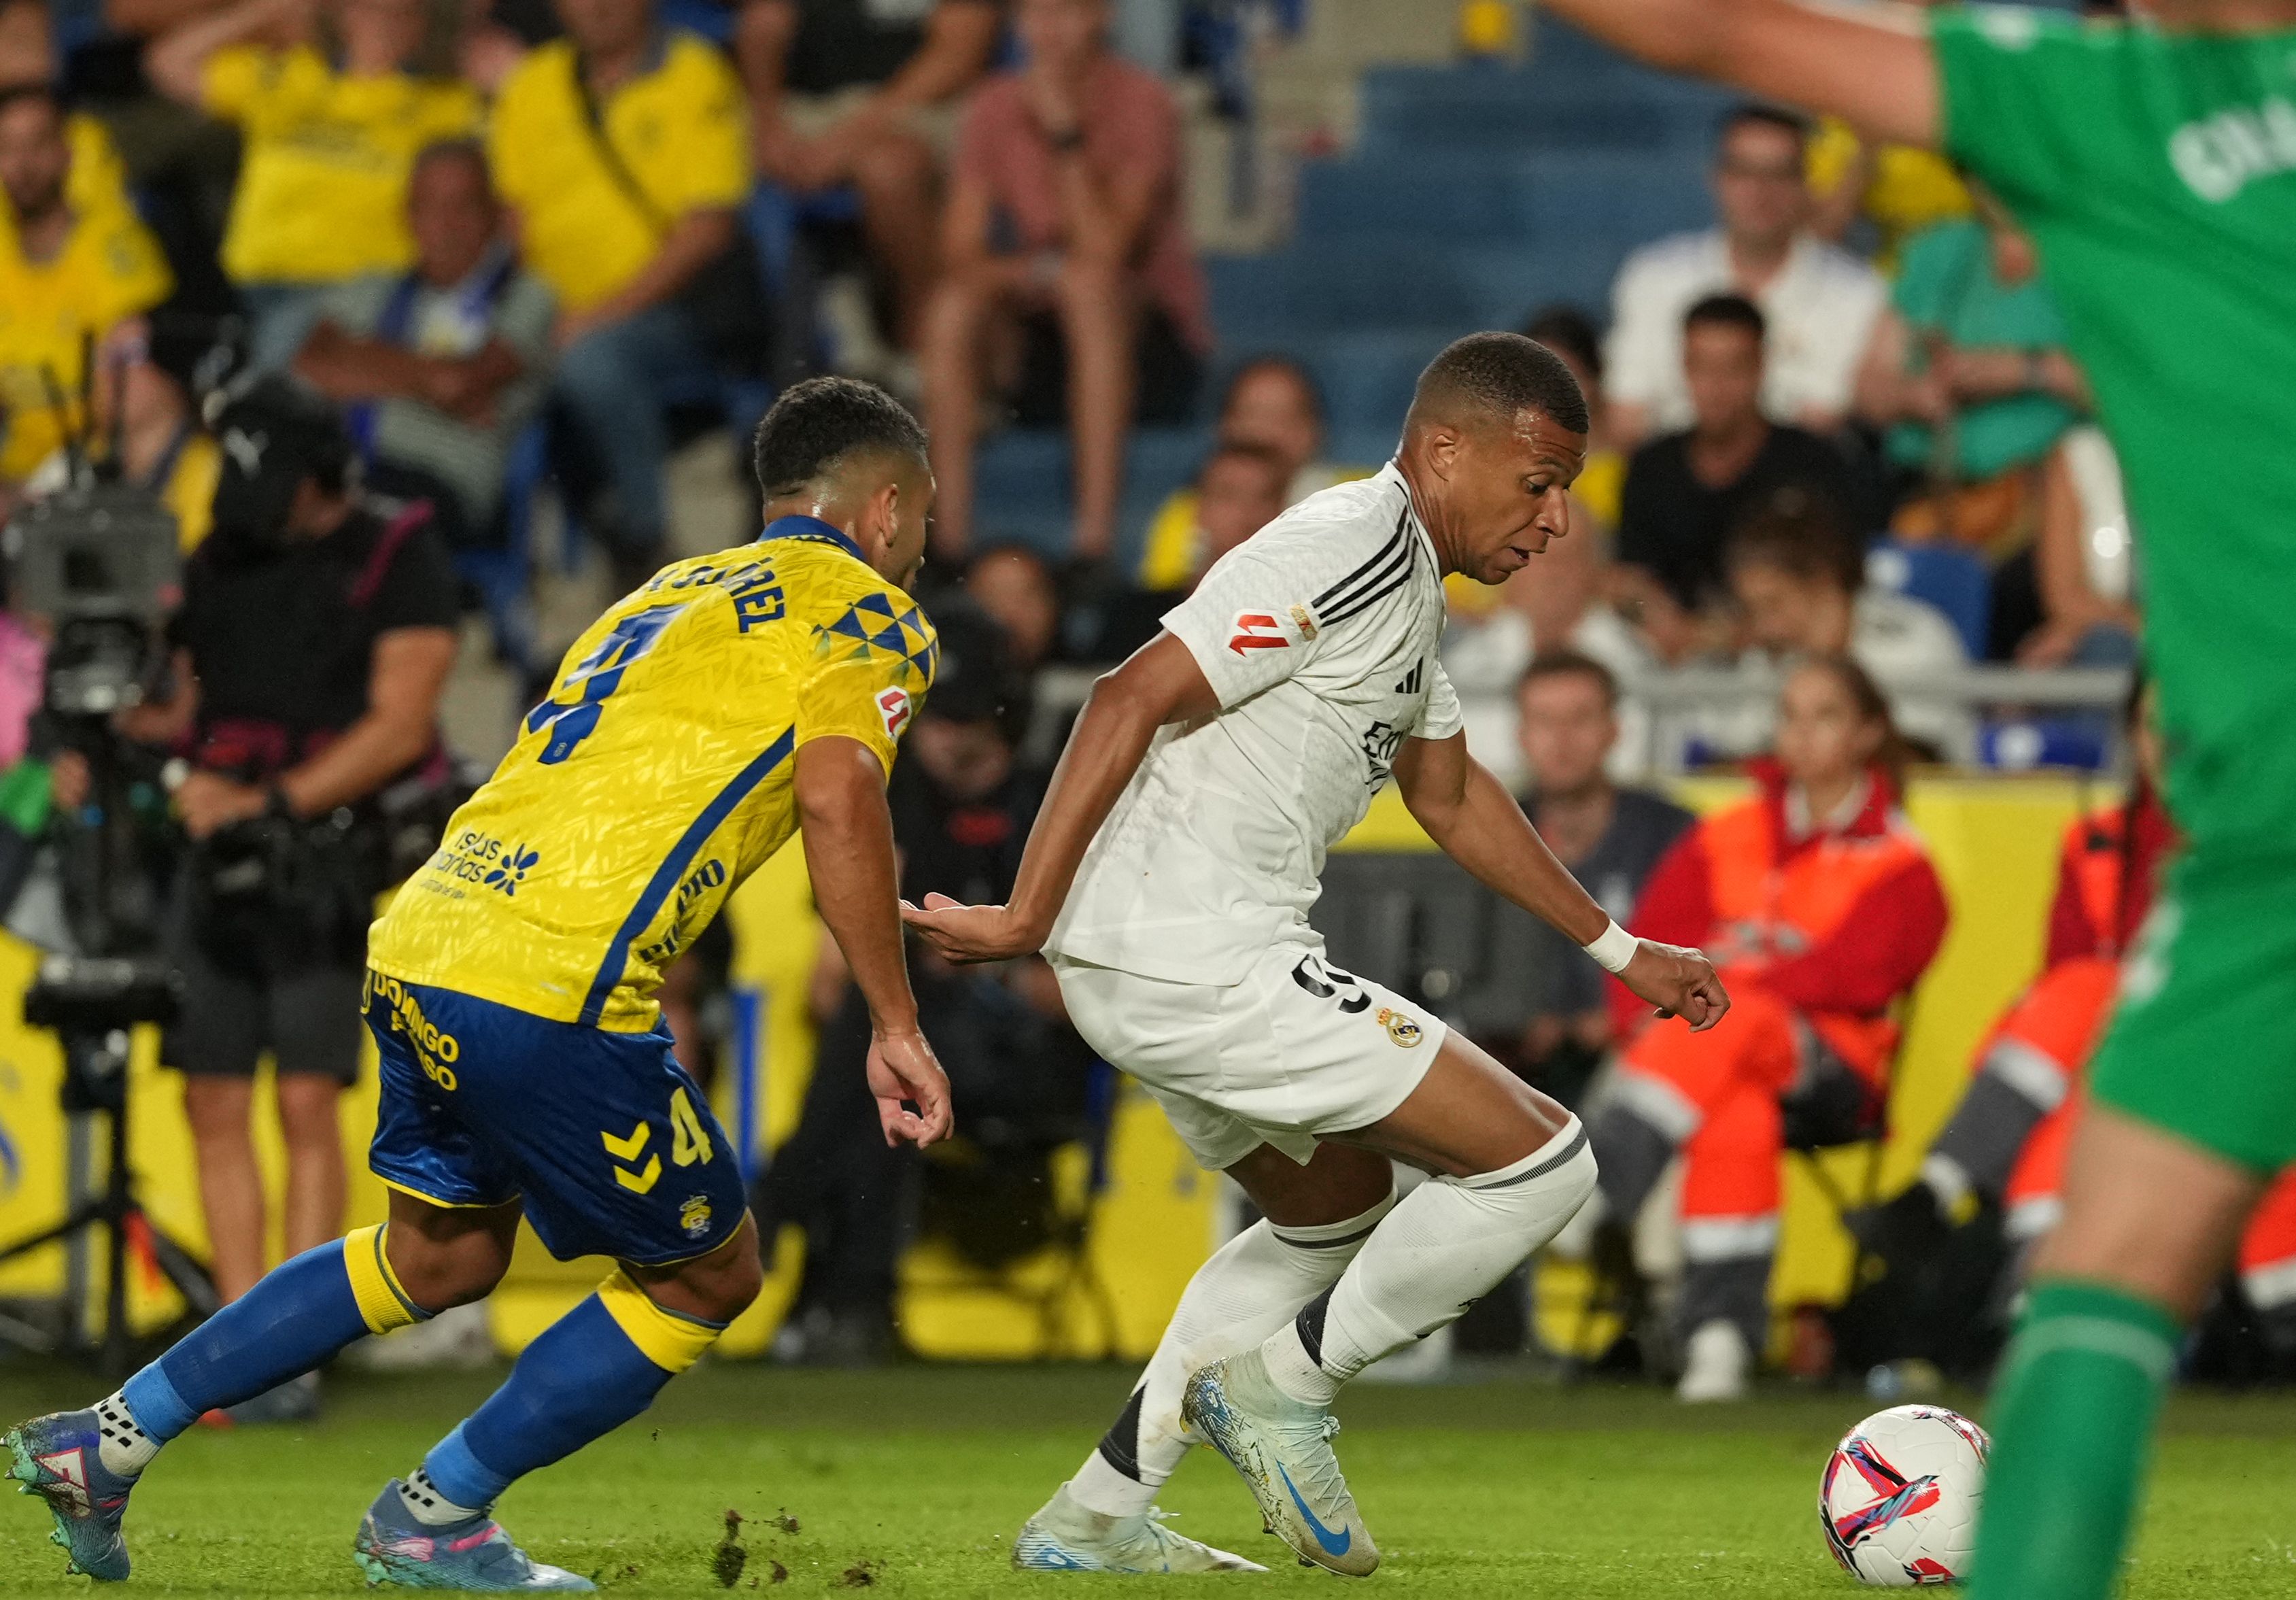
(512, 244)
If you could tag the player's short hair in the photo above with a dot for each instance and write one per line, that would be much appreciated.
(1271, 361)
(1571, 663)
(1569, 331)
(1727, 311)
(1799, 532)
(1760, 113)
(1502, 375)
(817, 423)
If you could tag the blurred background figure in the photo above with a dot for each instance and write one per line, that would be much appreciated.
(1241, 490)
(1819, 301)
(1610, 837)
(1571, 333)
(312, 644)
(1818, 903)
(1012, 584)
(1800, 582)
(331, 103)
(1967, 373)
(1685, 491)
(1272, 404)
(68, 278)
(623, 152)
(444, 365)
(1069, 287)
(849, 93)
(961, 810)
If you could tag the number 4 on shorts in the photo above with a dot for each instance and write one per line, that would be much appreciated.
(689, 1142)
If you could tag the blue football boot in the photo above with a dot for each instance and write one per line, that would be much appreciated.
(1282, 1450)
(59, 1458)
(474, 1556)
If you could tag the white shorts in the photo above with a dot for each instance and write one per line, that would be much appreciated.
(1296, 1052)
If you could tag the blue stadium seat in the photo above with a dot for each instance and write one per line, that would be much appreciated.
(2022, 743)
(1953, 580)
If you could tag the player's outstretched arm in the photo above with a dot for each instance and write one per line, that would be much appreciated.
(1870, 63)
(1160, 683)
(848, 850)
(1470, 814)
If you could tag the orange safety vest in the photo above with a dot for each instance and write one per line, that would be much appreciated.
(1771, 902)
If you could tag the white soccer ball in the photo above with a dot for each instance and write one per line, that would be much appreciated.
(1899, 1501)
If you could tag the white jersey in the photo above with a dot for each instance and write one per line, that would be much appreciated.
(1319, 636)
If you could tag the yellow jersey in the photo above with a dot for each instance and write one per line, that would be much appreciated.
(657, 775)
(1910, 189)
(109, 269)
(322, 192)
(681, 129)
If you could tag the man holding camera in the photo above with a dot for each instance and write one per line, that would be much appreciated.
(316, 633)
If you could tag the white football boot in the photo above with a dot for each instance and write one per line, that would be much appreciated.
(1065, 1536)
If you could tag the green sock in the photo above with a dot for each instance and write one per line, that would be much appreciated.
(2072, 1425)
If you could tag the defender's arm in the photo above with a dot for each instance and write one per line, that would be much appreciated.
(1470, 814)
(840, 785)
(1160, 683)
(1870, 63)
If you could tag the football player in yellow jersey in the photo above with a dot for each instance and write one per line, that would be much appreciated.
(525, 1066)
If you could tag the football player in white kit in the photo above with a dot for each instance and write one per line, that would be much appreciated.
(1168, 879)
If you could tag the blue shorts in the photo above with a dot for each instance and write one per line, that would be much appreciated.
(613, 1148)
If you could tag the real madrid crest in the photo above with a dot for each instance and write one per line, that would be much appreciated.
(1399, 1028)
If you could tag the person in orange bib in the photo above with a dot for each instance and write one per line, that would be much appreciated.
(1818, 901)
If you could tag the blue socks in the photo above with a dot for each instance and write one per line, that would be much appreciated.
(590, 1372)
(298, 1318)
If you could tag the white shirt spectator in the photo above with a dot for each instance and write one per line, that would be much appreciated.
(1902, 642)
(1820, 307)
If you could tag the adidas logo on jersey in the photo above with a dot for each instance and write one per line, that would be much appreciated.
(1410, 682)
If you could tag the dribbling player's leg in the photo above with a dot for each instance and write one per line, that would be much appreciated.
(426, 1258)
(1512, 1166)
(1315, 1220)
(2150, 1221)
(590, 1372)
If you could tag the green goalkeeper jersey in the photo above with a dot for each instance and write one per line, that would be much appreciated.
(2157, 170)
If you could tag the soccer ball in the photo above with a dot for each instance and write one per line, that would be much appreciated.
(1898, 1502)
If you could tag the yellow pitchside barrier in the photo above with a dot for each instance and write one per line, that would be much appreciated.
(1994, 841)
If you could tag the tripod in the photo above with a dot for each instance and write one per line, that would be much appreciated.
(92, 1002)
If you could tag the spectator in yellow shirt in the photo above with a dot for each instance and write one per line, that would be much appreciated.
(1272, 403)
(623, 149)
(329, 144)
(1899, 188)
(66, 280)
(28, 60)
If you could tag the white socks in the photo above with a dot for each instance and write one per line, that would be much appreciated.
(126, 1450)
(1254, 1284)
(430, 1507)
(1447, 1242)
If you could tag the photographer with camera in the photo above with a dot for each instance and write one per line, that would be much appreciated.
(316, 633)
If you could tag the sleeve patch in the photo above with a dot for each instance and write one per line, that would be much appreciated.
(1257, 630)
(893, 711)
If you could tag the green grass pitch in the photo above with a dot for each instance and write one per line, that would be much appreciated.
(911, 1483)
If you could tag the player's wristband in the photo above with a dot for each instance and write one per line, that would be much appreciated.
(1613, 949)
